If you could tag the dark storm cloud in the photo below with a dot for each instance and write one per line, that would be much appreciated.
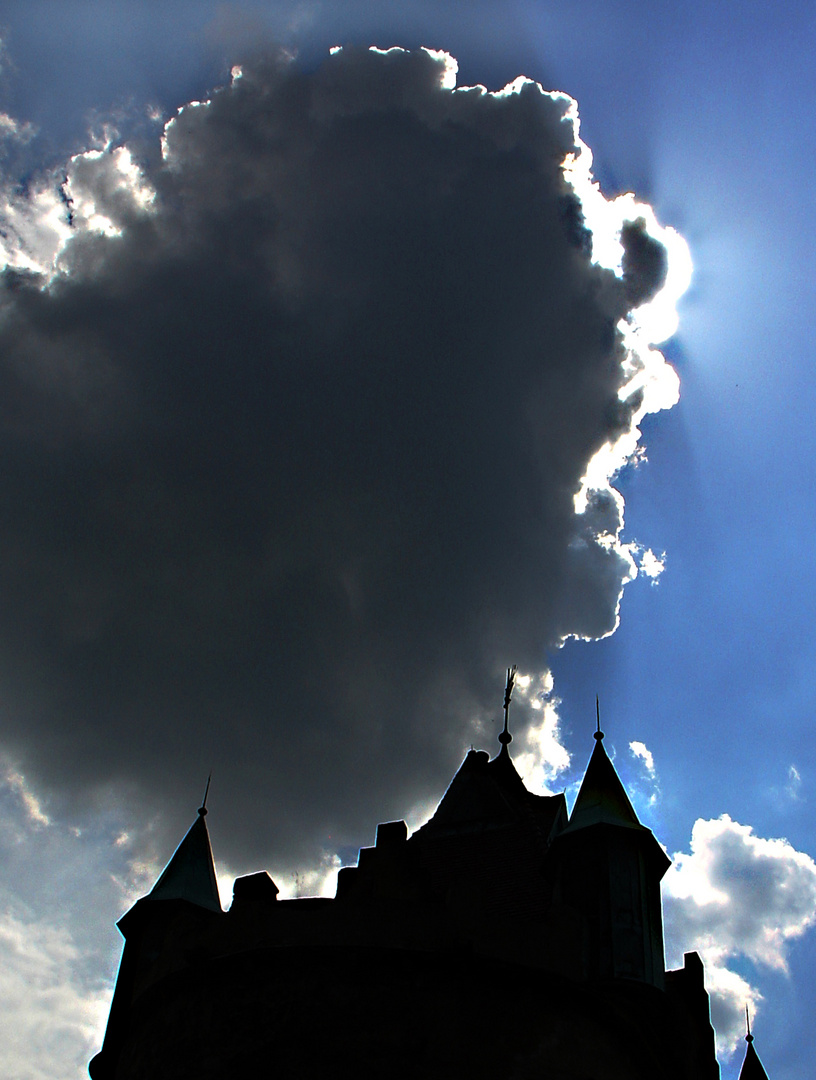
(289, 463)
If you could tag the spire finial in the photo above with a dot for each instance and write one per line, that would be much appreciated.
(505, 737)
(598, 733)
(749, 1038)
(202, 810)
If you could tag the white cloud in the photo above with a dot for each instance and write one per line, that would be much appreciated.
(100, 191)
(651, 565)
(794, 784)
(644, 786)
(729, 993)
(106, 189)
(654, 321)
(33, 227)
(51, 1011)
(736, 895)
(63, 886)
(641, 751)
(319, 880)
(541, 757)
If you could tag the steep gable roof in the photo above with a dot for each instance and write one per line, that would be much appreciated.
(488, 837)
(487, 794)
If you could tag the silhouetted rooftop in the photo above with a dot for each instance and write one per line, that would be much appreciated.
(602, 797)
(489, 835)
(190, 874)
(752, 1068)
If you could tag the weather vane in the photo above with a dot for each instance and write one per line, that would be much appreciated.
(505, 737)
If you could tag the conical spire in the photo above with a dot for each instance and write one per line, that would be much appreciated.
(752, 1068)
(602, 797)
(190, 874)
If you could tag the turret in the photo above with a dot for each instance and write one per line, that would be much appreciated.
(184, 897)
(608, 866)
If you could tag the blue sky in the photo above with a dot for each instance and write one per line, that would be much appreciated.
(705, 112)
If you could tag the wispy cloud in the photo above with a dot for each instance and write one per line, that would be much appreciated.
(641, 751)
(793, 787)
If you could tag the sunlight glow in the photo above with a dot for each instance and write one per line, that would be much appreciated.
(103, 186)
(34, 229)
(516, 86)
(101, 191)
(320, 880)
(450, 67)
(646, 370)
(173, 122)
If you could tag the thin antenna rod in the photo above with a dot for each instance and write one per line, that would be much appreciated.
(203, 808)
(749, 1038)
(598, 733)
(505, 736)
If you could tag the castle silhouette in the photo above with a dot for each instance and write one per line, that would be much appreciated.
(505, 939)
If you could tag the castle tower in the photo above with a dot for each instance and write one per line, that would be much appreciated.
(608, 866)
(155, 930)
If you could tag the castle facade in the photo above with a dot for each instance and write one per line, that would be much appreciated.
(505, 939)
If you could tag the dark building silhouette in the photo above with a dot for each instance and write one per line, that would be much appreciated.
(503, 939)
(751, 1066)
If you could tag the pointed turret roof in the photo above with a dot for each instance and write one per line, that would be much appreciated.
(752, 1068)
(190, 874)
(602, 800)
(602, 796)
